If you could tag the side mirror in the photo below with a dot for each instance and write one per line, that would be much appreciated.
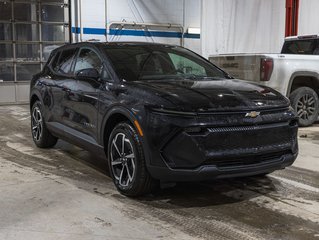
(88, 73)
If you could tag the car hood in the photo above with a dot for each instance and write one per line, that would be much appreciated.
(215, 95)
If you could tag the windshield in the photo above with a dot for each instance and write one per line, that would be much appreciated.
(159, 62)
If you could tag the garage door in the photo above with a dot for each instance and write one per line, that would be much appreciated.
(29, 30)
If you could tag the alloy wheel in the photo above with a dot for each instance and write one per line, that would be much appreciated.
(122, 159)
(37, 124)
(306, 106)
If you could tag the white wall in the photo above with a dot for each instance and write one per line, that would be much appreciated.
(93, 17)
(227, 26)
(308, 22)
(149, 11)
(241, 26)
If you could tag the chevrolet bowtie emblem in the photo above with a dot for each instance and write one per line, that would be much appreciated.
(252, 114)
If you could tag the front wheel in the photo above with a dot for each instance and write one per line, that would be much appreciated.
(305, 102)
(40, 134)
(127, 163)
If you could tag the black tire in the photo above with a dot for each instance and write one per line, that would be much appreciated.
(305, 102)
(40, 134)
(135, 180)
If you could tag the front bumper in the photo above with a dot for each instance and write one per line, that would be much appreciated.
(209, 172)
(208, 147)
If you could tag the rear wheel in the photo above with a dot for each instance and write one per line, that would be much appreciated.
(40, 134)
(127, 162)
(305, 102)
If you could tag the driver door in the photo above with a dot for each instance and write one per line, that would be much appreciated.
(84, 101)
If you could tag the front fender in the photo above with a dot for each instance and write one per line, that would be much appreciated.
(114, 110)
(35, 93)
(131, 116)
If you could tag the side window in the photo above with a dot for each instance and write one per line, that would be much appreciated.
(88, 59)
(187, 66)
(65, 61)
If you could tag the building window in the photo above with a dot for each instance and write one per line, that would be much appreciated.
(29, 31)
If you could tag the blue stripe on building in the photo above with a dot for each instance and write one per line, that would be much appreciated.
(97, 31)
(142, 33)
(139, 33)
(75, 30)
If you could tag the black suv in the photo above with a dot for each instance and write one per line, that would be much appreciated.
(160, 112)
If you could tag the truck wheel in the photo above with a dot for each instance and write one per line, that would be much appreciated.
(40, 134)
(305, 102)
(127, 163)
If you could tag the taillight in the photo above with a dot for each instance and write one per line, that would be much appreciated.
(266, 67)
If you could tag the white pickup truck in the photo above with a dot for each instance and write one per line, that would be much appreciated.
(294, 72)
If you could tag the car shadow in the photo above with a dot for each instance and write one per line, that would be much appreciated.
(183, 194)
(212, 193)
(90, 159)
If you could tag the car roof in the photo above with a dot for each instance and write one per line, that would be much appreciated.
(302, 37)
(106, 44)
(136, 43)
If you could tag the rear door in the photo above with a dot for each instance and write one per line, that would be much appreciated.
(63, 84)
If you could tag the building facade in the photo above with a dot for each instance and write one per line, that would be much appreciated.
(31, 29)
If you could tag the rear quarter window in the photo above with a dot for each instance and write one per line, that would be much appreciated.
(54, 61)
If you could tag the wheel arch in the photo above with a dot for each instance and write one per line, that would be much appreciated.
(34, 96)
(111, 119)
(303, 79)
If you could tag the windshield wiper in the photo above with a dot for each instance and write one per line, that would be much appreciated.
(196, 77)
(179, 77)
(162, 77)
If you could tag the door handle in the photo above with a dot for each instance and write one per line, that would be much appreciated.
(65, 89)
(68, 91)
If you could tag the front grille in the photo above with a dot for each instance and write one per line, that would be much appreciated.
(246, 128)
(246, 139)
